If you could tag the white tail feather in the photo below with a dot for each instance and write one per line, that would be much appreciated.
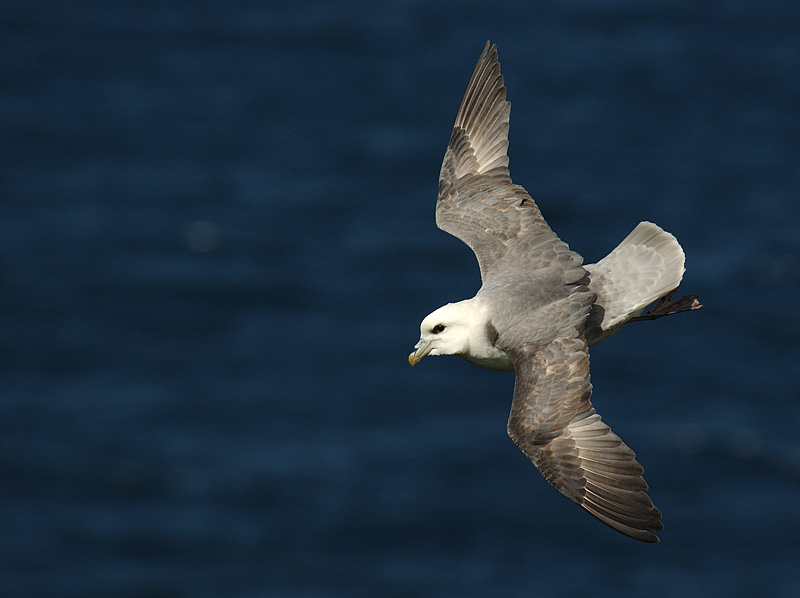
(645, 266)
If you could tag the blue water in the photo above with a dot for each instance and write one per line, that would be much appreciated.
(217, 243)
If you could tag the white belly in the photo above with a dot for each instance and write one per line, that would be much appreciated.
(494, 359)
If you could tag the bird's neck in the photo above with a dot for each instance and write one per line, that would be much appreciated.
(482, 350)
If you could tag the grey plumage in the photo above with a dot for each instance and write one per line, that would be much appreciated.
(539, 308)
(646, 265)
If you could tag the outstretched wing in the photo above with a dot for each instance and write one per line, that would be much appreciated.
(477, 202)
(553, 422)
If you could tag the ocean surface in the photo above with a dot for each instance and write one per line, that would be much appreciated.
(217, 242)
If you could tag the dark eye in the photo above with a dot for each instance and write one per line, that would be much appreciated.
(438, 328)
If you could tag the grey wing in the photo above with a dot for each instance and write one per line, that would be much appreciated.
(477, 201)
(553, 422)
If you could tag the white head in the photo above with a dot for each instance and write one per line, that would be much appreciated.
(446, 331)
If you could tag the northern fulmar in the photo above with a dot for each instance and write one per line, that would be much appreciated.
(539, 309)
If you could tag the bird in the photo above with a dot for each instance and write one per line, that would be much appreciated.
(539, 309)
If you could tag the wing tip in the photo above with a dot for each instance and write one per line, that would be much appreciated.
(645, 534)
(483, 116)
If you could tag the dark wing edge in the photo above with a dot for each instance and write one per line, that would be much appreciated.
(479, 141)
(554, 424)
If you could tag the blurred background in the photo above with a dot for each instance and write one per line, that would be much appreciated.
(217, 242)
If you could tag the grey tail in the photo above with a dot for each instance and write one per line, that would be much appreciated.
(647, 265)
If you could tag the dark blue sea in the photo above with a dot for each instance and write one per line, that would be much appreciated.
(217, 242)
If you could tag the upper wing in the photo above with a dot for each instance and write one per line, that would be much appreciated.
(553, 422)
(477, 201)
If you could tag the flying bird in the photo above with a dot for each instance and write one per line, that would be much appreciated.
(539, 309)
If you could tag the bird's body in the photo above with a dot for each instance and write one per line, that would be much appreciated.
(539, 309)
